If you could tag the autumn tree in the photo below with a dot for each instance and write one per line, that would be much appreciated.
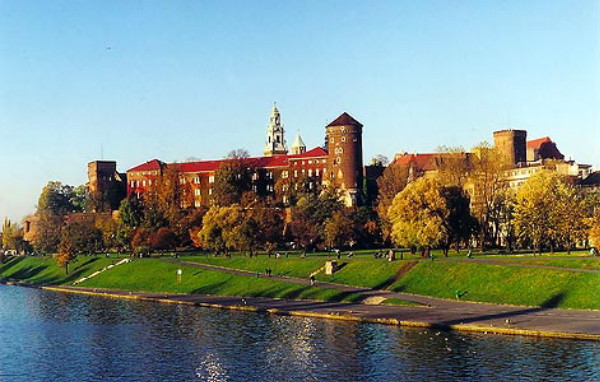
(81, 235)
(486, 182)
(47, 236)
(453, 166)
(418, 214)
(546, 212)
(66, 254)
(233, 178)
(9, 234)
(339, 230)
(393, 180)
(131, 212)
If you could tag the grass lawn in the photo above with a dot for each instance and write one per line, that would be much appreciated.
(43, 270)
(159, 276)
(377, 274)
(292, 267)
(503, 284)
(399, 302)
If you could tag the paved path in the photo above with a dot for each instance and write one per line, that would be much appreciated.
(439, 312)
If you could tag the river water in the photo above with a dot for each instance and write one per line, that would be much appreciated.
(47, 336)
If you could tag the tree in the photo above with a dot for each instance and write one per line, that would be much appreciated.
(453, 166)
(538, 210)
(486, 182)
(59, 199)
(81, 235)
(131, 212)
(459, 224)
(393, 180)
(47, 236)
(66, 254)
(339, 230)
(418, 215)
(9, 234)
(233, 179)
(164, 238)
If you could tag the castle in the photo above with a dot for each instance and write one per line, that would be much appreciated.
(278, 171)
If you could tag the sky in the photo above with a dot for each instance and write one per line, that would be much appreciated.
(135, 80)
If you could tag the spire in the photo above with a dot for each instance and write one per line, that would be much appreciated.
(298, 147)
(275, 144)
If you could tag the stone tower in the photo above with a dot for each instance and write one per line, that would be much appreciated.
(298, 147)
(344, 164)
(513, 144)
(275, 144)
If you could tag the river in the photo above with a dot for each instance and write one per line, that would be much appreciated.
(48, 336)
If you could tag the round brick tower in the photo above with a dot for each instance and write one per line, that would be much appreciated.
(344, 163)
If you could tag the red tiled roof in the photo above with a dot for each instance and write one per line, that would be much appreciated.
(153, 164)
(213, 165)
(345, 119)
(422, 161)
(537, 143)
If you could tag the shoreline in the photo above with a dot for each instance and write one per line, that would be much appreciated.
(356, 312)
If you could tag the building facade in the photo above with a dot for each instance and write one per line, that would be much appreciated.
(278, 174)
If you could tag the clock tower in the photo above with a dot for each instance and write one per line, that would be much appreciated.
(275, 144)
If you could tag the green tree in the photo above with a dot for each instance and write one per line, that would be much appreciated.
(59, 199)
(131, 212)
(459, 224)
(9, 234)
(81, 235)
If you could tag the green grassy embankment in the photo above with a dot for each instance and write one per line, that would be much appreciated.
(291, 267)
(503, 284)
(160, 276)
(591, 263)
(43, 270)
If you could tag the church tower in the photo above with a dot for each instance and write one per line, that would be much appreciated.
(344, 163)
(275, 144)
(298, 147)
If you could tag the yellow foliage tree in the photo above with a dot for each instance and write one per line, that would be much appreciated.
(417, 215)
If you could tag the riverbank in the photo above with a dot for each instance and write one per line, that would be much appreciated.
(215, 286)
(440, 315)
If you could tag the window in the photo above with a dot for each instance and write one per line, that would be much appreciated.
(197, 192)
(332, 140)
(317, 172)
(343, 139)
(284, 174)
(196, 179)
(284, 188)
(149, 182)
(343, 128)
(210, 191)
(354, 139)
(137, 183)
(197, 203)
(132, 184)
(295, 173)
(211, 179)
(310, 172)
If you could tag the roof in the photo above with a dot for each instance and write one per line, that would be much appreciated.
(537, 143)
(592, 180)
(153, 164)
(298, 142)
(213, 165)
(422, 161)
(345, 119)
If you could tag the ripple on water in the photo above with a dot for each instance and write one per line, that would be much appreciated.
(47, 336)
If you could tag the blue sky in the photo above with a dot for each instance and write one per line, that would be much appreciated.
(136, 80)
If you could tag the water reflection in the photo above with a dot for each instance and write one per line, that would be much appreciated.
(47, 336)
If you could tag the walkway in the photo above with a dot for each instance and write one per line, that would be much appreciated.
(439, 312)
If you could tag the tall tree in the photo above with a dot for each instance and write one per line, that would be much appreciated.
(538, 212)
(47, 235)
(393, 180)
(486, 182)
